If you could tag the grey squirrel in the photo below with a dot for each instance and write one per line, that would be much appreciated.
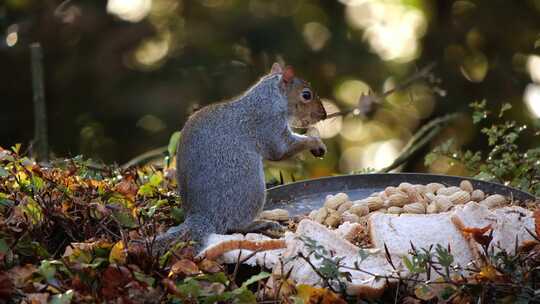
(221, 150)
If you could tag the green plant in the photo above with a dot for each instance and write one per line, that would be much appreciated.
(505, 162)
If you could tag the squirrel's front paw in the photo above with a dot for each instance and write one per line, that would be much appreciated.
(319, 149)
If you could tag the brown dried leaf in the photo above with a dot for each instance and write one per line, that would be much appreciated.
(312, 295)
(489, 273)
(113, 281)
(6, 286)
(478, 234)
(536, 216)
(171, 287)
(184, 267)
(128, 188)
(38, 298)
(209, 266)
(20, 274)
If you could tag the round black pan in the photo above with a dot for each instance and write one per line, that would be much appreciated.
(304, 196)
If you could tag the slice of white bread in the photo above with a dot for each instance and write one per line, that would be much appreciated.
(398, 232)
(509, 224)
(303, 273)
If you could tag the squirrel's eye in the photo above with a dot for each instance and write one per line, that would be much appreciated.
(306, 95)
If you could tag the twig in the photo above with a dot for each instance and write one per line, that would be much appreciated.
(40, 114)
(402, 86)
(154, 153)
(324, 278)
(420, 139)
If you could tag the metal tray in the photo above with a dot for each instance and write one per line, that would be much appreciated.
(304, 196)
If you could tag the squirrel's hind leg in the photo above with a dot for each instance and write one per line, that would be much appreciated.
(195, 228)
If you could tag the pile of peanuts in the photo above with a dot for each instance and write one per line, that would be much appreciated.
(406, 198)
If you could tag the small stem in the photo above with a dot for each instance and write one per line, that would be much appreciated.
(40, 113)
(400, 87)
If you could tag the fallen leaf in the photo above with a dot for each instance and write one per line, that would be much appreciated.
(424, 292)
(209, 266)
(171, 287)
(184, 267)
(38, 298)
(312, 295)
(128, 188)
(536, 216)
(20, 274)
(6, 286)
(114, 280)
(118, 253)
(490, 273)
(478, 234)
(63, 298)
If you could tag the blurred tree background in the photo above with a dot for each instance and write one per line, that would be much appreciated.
(122, 75)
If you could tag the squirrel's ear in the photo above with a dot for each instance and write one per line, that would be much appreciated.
(276, 68)
(288, 74)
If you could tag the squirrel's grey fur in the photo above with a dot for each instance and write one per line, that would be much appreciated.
(220, 159)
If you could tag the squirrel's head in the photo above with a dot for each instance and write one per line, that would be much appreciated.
(304, 106)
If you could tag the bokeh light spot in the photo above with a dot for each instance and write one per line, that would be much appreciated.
(329, 127)
(11, 39)
(532, 99)
(475, 67)
(533, 66)
(316, 35)
(151, 123)
(377, 155)
(153, 51)
(129, 10)
(349, 91)
(392, 28)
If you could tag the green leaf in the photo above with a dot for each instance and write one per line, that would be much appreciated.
(144, 278)
(244, 295)
(219, 277)
(3, 172)
(146, 190)
(430, 159)
(125, 219)
(155, 179)
(260, 276)
(444, 256)
(407, 262)
(537, 44)
(152, 210)
(190, 287)
(16, 148)
(47, 269)
(424, 292)
(39, 250)
(37, 183)
(33, 210)
(447, 292)
(5, 201)
(485, 176)
(98, 262)
(173, 143)
(363, 254)
(4, 248)
(220, 298)
(505, 107)
(63, 298)
(178, 215)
